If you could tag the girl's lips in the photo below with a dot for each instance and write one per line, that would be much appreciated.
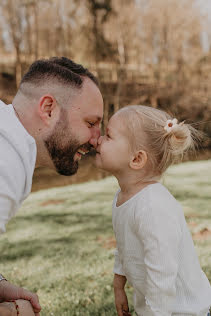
(97, 151)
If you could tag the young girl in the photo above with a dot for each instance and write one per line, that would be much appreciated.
(155, 252)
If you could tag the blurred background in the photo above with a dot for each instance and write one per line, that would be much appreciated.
(152, 52)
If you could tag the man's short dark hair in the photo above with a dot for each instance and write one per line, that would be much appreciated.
(62, 69)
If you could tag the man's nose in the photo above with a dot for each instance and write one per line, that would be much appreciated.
(95, 136)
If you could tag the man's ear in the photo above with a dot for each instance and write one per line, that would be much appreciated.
(138, 160)
(47, 109)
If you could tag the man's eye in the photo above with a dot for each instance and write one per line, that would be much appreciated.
(91, 124)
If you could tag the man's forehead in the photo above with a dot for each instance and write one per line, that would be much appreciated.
(88, 101)
(89, 108)
(92, 112)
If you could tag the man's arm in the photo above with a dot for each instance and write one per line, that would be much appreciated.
(12, 184)
(10, 292)
(12, 308)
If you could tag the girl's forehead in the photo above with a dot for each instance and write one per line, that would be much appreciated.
(115, 119)
(115, 124)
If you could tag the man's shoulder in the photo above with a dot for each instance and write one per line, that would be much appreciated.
(12, 130)
(2, 104)
(6, 117)
(18, 148)
(11, 162)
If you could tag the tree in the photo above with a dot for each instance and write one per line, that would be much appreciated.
(100, 12)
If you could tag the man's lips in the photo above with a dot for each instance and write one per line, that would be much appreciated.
(82, 151)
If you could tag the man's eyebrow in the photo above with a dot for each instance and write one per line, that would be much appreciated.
(95, 118)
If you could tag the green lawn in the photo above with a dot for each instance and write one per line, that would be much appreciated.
(61, 242)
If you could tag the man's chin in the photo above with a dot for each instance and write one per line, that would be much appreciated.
(68, 171)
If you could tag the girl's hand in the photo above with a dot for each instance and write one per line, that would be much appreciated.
(121, 302)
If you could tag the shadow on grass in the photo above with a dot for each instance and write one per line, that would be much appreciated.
(85, 226)
(29, 249)
(91, 224)
(72, 218)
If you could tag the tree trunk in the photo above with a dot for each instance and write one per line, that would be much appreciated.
(18, 70)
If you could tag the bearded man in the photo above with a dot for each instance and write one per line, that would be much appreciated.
(53, 120)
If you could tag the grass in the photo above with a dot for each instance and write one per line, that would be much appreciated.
(61, 242)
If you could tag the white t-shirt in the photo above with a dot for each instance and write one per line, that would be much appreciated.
(156, 253)
(17, 163)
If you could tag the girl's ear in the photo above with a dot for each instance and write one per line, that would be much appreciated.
(138, 160)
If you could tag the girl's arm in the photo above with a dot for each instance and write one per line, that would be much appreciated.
(120, 280)
(121, 301)
(160, 233)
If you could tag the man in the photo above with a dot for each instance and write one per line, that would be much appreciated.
(53, 120)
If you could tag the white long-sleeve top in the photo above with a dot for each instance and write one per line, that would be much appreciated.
(17, 163)
(156, 253)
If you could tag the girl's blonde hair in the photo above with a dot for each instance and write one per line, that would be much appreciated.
(145, 128)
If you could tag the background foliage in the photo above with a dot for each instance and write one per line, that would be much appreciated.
(154, 52)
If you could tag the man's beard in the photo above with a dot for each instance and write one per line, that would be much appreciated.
(62, 152)
(62, 156)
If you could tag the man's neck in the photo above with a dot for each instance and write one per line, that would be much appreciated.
(16, 113)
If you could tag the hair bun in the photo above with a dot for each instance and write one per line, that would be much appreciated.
(180, 139)
(161, 136)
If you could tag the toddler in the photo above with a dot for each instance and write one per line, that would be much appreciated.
(155, 252)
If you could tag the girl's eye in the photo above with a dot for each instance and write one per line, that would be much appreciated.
(91, 124)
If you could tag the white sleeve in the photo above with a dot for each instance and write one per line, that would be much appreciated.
(12, 182)
(159, 230)
(118, 269)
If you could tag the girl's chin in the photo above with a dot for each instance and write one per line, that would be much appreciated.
(98, 163)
